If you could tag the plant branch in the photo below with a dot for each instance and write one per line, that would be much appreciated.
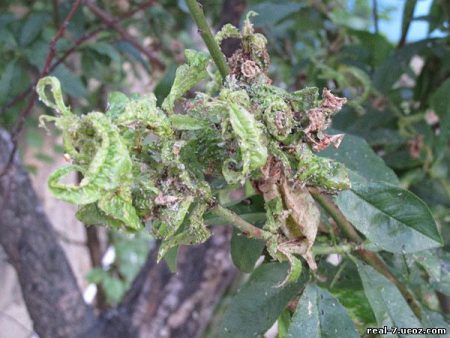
(369, 257)
(24, 113)
(109, 21)
(199, 17)
(375, 15)
(76, 44)
(337, 215)
(248, 229)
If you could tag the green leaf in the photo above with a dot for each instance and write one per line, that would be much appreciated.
(96, 275)
(259, 303)
(186, 122)
(354, 300)
(249, 133)
(71, 82)
(106, 49)
(392, 218)
(143, 110)
(57, 103)
(119, 207)
(114, 289)
(6, 80)
(171, 258)
(245, 251)
(358, 156)
(109, 168)
(270, 12)
(440, 101)
(186, 77)
(320, 315)
(437, 265)
(431, 319)
(91, 214)
(117, 102)
(162, 89)
(283, 323)
(193, 231)
(32, 27)
(388, 304)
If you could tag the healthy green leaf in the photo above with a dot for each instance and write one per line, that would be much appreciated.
(431, 319)
(437, 265)
(32, 27)
(320, 315)
(392, 218)
(258, 304)
(440, 101)
(245, 251)
(358, 156)
(388, 304)
(6, 79)
(71, 82)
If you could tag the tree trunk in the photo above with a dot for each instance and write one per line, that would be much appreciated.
(161, 304)
(49, 288)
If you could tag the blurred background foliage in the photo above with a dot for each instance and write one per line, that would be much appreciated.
(398, 82)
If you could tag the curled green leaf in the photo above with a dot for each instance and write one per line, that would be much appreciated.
(226, 32)
(55, 87)
(109, 168)
(118, 206)
(186, 77)
(321, 172)
(186, 122)
(249, 133)
(195, 232)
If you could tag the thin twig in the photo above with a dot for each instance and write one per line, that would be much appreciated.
(199, 17)
(375, 15)
(109, 21)
(82, 39)
(49, 67)
(370, 257)
(24, 113)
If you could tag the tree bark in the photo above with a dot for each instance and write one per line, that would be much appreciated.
(49, 287)
(161, 304)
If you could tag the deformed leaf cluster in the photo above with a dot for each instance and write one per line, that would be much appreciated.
(141, 163)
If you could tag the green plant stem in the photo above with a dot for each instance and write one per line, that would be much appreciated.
(247, 229)
(369, 257)
(199, 17)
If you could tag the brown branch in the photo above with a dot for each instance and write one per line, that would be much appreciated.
(76, 44)
(48, 285)
(48, 68)
(176, 305)
(109, 21)
(24, 113)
